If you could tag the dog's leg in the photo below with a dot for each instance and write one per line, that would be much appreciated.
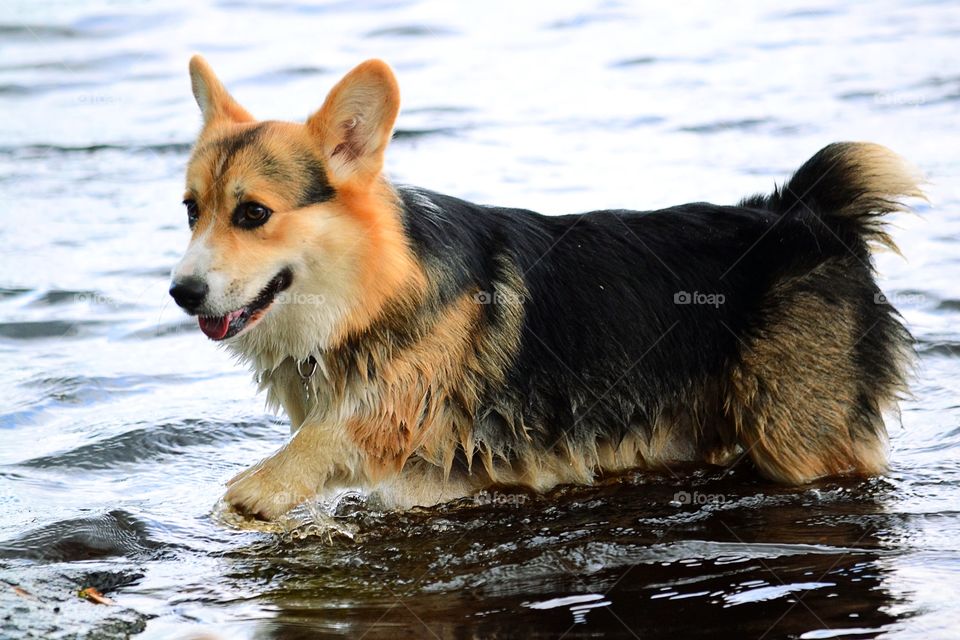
(808, 395)
(313, 459)
(422, 484)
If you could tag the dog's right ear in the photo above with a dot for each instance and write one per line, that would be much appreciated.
(214, 101)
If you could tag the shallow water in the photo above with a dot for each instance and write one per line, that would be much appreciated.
(120, 422)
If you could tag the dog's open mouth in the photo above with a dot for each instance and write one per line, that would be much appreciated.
(229, 325)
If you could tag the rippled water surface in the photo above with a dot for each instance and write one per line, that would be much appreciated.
(120, 422)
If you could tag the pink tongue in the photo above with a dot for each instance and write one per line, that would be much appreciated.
(216, 328)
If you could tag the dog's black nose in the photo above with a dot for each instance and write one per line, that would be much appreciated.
(189, 292)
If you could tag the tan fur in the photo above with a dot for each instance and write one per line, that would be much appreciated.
(885, 180)
(388, 269)
(793, 396)
(214, 101)
(413, 388)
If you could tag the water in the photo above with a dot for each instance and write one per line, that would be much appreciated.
(120, 422)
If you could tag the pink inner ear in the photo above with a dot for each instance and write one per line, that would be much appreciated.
(349, 146)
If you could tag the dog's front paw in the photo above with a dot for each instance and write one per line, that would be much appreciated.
(266, 492)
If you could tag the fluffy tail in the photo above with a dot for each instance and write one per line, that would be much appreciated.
(849, 186)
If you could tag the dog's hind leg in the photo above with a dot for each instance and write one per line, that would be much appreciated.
(827, 357)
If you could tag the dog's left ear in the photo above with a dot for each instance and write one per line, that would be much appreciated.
(354, 124)
(215, 102)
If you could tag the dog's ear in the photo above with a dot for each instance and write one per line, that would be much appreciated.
(214, 101)
(354, 124)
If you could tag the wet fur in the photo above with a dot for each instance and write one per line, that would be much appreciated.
(461, 345)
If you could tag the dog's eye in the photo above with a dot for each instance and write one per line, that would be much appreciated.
(249, 215)
(193, 211)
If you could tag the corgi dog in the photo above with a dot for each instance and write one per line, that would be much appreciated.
(426, 348)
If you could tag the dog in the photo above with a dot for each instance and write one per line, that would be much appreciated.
(426, 348)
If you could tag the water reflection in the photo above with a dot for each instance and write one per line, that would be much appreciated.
(626, 558)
